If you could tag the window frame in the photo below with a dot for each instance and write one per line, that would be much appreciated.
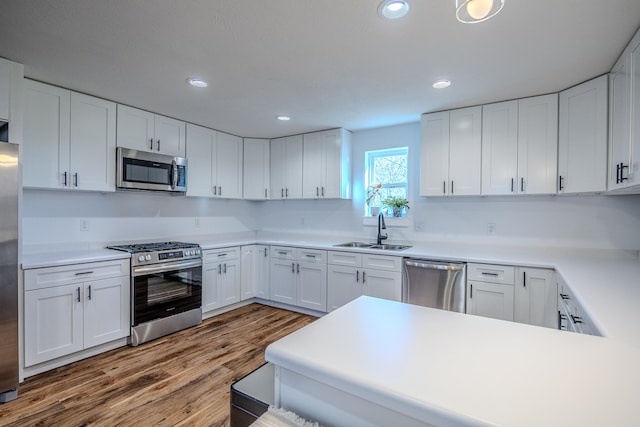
(370, 157)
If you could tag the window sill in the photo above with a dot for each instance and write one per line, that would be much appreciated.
(390, 221)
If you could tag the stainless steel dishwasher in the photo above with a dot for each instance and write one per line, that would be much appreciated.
(436, 284)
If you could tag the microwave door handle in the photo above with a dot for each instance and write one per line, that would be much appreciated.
(174, 174)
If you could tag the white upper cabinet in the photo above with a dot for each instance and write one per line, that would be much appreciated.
(5, 88)
(624, 122)
(69, 139)
(215, 163)
(450, 152)
(326, 165)
(499, 147)
(145, 131)
(227, 173)
(538, 145)
(256, 178)
(286, 167)
(519, 146)
(582, 144)
(92, 155)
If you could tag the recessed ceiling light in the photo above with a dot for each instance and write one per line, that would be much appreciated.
(441, 84)
(283, 118)
(196, 82)
(393, 9)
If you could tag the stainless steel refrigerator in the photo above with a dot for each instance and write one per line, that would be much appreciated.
(8, 271)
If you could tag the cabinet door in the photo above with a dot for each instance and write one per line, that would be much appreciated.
(248, 271)
(201, 142)
(499, 148)
(170, 136)
(211, 277)
(277, 161)
(293, 167)
(45, 149)
(312, 286)
(53, 319)
(537, 145)
(229, 286)
(5, 88)
(344, 284)
(229, 166)
(490, 300)
(92, 143)
(620, 119)
(283, 281)
(312, 165)
(536, 294)
(465, 149)
(582, 138)
(335, 175)
(255, 170)
(261, 275)
(135, 129)
(434, 154)
(382, 284)
(632, 173)
(106, 310)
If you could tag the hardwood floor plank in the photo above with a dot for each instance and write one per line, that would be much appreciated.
(179, 380)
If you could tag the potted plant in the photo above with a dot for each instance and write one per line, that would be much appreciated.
(373, 193)
(399, 205)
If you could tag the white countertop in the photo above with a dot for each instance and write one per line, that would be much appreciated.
(606, 283)
(455, 369)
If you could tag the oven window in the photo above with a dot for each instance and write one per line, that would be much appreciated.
(161, 295)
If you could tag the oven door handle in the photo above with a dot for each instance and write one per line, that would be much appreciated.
(174, 172)
(159, 268)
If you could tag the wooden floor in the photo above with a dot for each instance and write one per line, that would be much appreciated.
(179, 380)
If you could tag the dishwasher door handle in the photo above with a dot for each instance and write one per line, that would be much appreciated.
(434, 265)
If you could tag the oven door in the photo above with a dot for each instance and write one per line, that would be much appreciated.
(162, 290)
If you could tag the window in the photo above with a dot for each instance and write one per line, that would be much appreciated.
(389, 169)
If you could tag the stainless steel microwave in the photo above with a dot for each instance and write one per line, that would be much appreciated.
(141, 170)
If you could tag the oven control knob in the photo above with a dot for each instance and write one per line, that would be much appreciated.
(192, 252)
(147, 257)
(141, 258)
(197, 251)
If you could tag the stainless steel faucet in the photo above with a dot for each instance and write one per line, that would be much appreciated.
(381, 226)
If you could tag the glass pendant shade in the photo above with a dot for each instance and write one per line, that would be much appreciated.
(472, 11)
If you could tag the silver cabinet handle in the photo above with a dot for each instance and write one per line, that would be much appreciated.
(286, 192)
(89, 292)
(282, 193)
(78, 291)
(219, 268)
(322, 191)
(512, 182)
(524, 279)
(64, 180)
(215, 190)
(158, 142)
(265, 252)
(298, 268)
(75, 179)
(225, 269)
(293, 267)
(281, 252)
(561, 183)
(484, 273)
(364, 276)
(522, 185)
(444, 187)
(317, 192)
(265, 193)
(471, 291)
(576, 319)
(222, 254)
(83, 273)
(451, 186)
(357, 276)
(219, 191)
(310, 256)
(151, 144)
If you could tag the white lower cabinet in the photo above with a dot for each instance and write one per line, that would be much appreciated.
(490, 291)
(299, 277)
(536, 297)
(71, 308)
(220, 278)
(254, 276)
(352, 274)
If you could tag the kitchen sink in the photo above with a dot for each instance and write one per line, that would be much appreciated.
(388, 247)
(355, 245)
(385, 247)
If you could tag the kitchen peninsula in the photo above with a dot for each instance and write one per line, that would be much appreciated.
(377, 362)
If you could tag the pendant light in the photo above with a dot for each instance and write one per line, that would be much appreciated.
(473, 11)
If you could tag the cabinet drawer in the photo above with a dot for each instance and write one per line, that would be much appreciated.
(312, 255)
(491, 273)
(283, 252)
(47, 277)
(224, 254)
(381, 262)
(350, 259)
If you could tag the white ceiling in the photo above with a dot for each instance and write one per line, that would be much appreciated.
(327, 63)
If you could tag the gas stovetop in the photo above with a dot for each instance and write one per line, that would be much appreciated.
(156, 252)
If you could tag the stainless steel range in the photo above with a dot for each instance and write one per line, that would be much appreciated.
(166, 288)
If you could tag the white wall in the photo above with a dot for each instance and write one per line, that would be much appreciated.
(607, 222)
(564, 221)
